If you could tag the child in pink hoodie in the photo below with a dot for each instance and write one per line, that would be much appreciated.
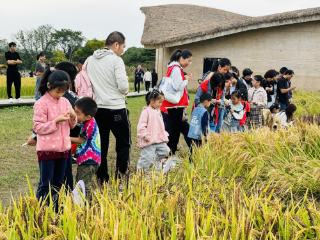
(152, 136)
(52, 120)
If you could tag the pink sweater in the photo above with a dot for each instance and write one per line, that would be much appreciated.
(151, 128)
(51, 136)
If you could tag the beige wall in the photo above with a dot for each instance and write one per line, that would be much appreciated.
(295, 46)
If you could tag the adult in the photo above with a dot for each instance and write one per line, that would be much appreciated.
(269, 85)
(13, 76)
(39, 71)
(138, 78)
(154, 78)
(246, 78)
(107, 73)
(258, 100)
(147, 78)
(173, 114)
(284, 88)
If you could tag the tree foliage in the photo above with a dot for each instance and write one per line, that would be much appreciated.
(68, 41)
(135, 56)
(88, 49)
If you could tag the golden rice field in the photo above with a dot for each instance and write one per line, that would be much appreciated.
(27, 89)
(253, 185)
(257, 185)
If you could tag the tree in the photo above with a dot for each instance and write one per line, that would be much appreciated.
(35, 41)
(135, 56)
(68, 41)
(88, 49)
(3, 49)
(57, 56)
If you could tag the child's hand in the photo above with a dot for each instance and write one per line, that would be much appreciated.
(73, 115)
(63, 118)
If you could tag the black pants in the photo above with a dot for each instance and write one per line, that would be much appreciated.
(68, 178)
(52, 173)
(118, 122)
(175, 125)
(154, 83)
(13, 78)
(137, 85)
(147, 85)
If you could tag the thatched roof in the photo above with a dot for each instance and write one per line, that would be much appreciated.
(177, 24)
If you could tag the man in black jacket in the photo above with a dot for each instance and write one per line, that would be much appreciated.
(13, 76)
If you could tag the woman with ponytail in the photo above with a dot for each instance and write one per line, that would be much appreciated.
(173, 114)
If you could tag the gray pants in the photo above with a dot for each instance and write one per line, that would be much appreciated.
(152, 155)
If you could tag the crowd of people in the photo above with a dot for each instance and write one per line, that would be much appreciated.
(78, 106)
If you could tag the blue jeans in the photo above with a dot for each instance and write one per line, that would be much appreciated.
(37, 94)
(235, 126)
(52, 173)
(217, 127)
(283, 106)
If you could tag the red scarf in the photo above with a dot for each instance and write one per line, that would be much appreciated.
(216, 107)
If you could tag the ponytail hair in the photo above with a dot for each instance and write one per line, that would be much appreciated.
(54, 79)
(153, 95)
(177, 54)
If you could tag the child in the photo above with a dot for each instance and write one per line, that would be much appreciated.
(235, 113)
(53, 118)
(88, 152)
(199, 124)
(151, 133)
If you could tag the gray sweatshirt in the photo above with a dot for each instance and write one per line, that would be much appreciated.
(109, 80)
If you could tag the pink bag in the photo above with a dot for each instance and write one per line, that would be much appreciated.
(83, 84)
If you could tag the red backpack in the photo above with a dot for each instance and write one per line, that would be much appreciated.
(83, 84)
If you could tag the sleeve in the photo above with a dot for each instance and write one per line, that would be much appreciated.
(197, 96)
(39, 68)
(178, 83)
(18, 56)
(282, 85)
(142, 132)
(7, 56)
(204, 124)
(121, 76)
(88, 133)
(72, 122)
(41, 125)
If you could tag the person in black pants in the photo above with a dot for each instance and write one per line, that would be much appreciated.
(13, 76)
(154, 78)
(107, 73)
(138, 78)
(116, 121)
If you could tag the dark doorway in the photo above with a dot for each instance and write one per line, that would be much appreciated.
(208, 63)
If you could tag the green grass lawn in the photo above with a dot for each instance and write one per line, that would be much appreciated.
(19, 162)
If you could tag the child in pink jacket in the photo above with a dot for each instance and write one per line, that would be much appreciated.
(152, 136)
(52, 120)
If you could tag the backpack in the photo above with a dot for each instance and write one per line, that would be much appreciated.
(83, 84)
(172, 92)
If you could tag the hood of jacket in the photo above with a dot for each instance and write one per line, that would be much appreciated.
(101, 53)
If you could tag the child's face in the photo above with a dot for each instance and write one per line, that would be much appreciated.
(156, 104)
(57, 92)
(206, 103)
(235, 100)
(275, 110)
(81, 116)
(228, 83)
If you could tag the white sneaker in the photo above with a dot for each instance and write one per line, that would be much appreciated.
(79, 193)
(18, 100)
(11, 100)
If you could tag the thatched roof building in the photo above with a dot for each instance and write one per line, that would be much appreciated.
(203, 29)
(163, 23)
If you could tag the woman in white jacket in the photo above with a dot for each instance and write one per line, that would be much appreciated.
(258, 99)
